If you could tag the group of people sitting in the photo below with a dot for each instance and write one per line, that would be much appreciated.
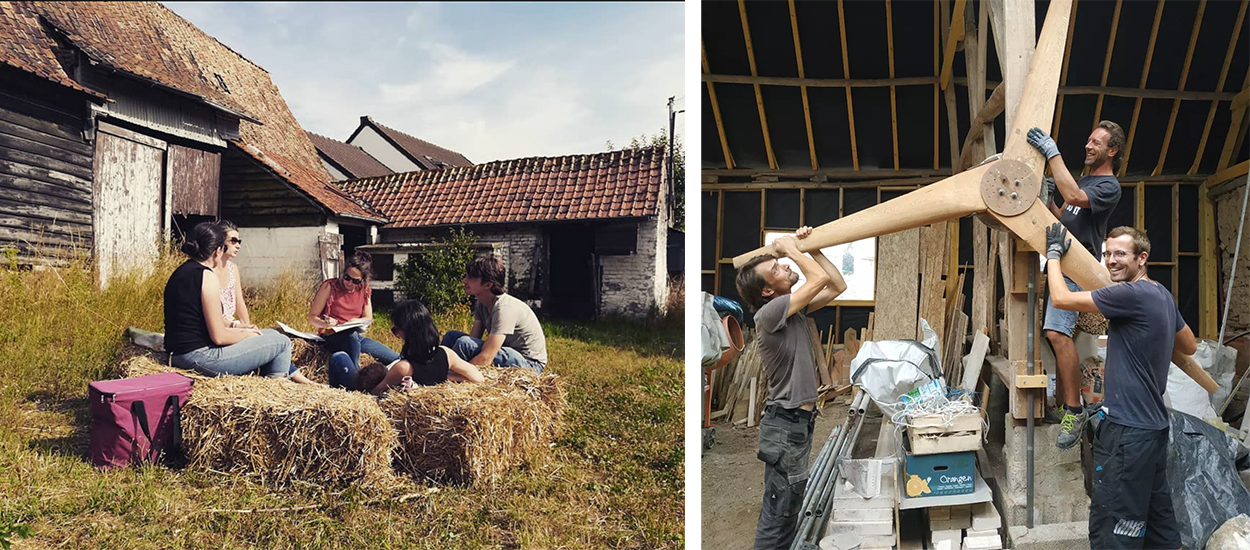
(208, 327)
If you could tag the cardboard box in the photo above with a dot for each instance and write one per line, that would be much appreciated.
(940, 474)
(1091, 380)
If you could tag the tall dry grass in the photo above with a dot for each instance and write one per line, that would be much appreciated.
(613, 480)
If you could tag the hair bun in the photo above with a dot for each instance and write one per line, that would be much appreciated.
(190, 248)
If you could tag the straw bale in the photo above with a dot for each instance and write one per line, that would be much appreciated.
(313, 359)
(136, 361)
(475, 433)
(279, 431)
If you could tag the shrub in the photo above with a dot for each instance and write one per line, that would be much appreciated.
(434, 275)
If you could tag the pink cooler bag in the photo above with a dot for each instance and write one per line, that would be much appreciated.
(136, 420)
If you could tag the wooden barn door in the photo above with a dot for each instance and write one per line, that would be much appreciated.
(128, 198)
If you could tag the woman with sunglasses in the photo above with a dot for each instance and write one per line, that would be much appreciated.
(233, 307)
(344, 300)
(196, 334)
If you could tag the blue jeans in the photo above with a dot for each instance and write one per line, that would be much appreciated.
(467, 347)
(345, 349)
(1061, 320)
(270, 352)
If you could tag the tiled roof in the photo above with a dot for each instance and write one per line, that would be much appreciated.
(617, 184)
(424, 153)
(350, 159)
(28, 48)
(147, 40)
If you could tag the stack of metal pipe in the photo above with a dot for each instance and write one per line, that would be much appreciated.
(823, 475)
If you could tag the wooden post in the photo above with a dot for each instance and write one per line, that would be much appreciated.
(720, 126)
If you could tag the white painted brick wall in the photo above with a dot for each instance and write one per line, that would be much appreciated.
(267, 251)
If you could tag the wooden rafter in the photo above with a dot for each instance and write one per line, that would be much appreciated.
(759, 98)
(889, 36)
(846, 74)
(1106, 65)
(720, 125)
(948, 93)
(937, 71)
(989, 111)
(1145, 72)
(1228, 59)
(1063, 75)
(807, 113)
(1176, 103)
(953, 36)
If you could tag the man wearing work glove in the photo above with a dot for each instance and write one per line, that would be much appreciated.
(1131, 506)
(1084, 208)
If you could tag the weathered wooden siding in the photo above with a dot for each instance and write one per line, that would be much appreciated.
(129, 191)
(45, 168)
(252, 196)
(160, 110)
(195, 177)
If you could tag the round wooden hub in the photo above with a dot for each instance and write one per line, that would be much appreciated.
(1009, 187)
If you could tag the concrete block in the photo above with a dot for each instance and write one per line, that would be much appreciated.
(946, 534)
(940, 512)
(983, 543)
(961, 522)
(939, 524)
(985, 517)
(946, 545)
(863, 514)
(1047, 508)
(980, 533)
(1054, 536)
(845, 497)
(862, 528)
(878, 541)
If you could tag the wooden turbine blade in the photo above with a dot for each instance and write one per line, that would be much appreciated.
(1037, 104)
(953, 197)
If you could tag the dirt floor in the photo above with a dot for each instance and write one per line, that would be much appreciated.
(733, 478)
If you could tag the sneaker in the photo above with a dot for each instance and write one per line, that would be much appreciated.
(1071, 427)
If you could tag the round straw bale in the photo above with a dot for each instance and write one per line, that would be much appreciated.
(278, 431)
(468, 433)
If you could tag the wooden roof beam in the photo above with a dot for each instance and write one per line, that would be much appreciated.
(953, 36)
(1063, 76)
(1176, 103)
(937, 89)
(1228, 58)
(1145, 72)
(846, 74)
(1106, 65)
(889, 37)
(992, 108)
(720, 125)
(759, 98)
(807, 113)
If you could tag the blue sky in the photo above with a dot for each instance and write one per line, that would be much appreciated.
(491, 81)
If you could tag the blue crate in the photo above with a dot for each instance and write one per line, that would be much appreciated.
(944, 474)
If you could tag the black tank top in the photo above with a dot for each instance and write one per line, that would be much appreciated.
(185, 329)
(432, 372)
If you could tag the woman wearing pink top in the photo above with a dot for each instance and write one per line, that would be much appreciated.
(232, 305)
(344, 300)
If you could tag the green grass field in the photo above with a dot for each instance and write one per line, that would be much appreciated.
(613, 480)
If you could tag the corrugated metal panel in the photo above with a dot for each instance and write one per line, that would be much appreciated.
(195, 176)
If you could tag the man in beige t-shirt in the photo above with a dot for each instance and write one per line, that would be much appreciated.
(516, 338)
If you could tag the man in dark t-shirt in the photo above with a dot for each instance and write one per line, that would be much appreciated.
(789, 362)
(1084, 208)
(1132, 504)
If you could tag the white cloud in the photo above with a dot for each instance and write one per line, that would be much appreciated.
(454, 73)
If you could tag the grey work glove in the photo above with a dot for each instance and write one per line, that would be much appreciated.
(1043, 142)
(1056, 241)
(1049, 191)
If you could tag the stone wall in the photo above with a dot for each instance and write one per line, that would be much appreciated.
(268, 251)
(632, 285)
(1227, 214)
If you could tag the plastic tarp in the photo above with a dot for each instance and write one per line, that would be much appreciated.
(715, 341)
(887, 369)
(1206, 489)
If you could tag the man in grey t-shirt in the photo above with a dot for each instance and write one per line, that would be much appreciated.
(516, 337)
(1132, 504)
(788, 359)
(1084, 208)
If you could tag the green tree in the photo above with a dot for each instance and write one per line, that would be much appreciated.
(679, 169)
(434, 276)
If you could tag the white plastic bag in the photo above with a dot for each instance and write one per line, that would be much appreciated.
(715, 341)
(888, 369)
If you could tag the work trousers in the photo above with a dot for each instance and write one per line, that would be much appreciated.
(785, 445)
(1132, 505)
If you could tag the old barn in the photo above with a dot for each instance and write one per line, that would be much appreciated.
(121, 124)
